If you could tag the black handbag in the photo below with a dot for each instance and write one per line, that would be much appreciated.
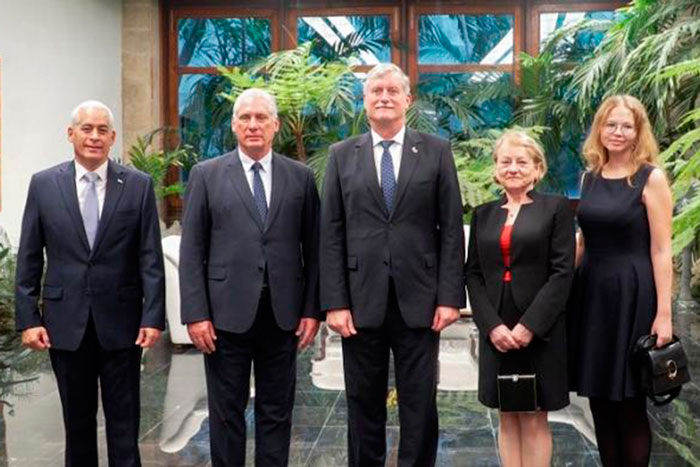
(663, 371)
(517, 383)
(517, 392)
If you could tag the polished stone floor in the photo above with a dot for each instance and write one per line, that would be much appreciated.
(174, 429)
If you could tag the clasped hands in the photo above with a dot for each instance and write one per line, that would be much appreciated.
(340, 320)
(505, 339)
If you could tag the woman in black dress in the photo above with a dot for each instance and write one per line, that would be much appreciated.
(623, 284)
(518, 272)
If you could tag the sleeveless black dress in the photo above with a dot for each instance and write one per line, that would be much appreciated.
(614, 298)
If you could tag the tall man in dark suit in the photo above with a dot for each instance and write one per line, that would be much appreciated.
(249, 281)
(392, 251)
(103, 291)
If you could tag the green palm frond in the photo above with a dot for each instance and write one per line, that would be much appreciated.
(157, 163)
(303, 88)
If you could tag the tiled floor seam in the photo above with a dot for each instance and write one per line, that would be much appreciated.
(325, 423)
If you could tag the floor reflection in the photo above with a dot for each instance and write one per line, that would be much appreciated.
(174, 429)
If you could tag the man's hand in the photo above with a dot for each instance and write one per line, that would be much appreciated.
(306, 331)
(502, 338)
(444, 316)
(147, 337)
(202, 335)
(36, 338)
(522, 335)
(341, 322)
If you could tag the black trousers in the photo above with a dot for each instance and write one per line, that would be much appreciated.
(273, 352)
(366, 366)
(77, 375)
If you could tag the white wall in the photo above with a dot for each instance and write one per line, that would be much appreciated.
(54, 54)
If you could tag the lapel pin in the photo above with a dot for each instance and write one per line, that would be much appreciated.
(119, 180)
(415, 151)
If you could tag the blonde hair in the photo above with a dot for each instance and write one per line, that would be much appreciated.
(645, 149)
(522, 139)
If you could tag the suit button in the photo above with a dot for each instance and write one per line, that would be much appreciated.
(260, 268)
(386, 262)
(87, 292)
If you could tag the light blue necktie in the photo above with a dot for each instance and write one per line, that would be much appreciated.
(259, 192)
(91, 208)
(388, 180)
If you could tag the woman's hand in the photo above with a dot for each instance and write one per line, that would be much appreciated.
(663, 329)
(522, 335)
(502, 338)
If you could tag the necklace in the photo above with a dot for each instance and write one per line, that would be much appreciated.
(513, 211)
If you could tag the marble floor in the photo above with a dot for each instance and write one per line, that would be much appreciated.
(174, 428)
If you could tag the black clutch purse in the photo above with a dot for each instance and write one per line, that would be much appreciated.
(517, 392)
(662, 372)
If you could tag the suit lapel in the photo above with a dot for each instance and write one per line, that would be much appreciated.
(240, 184)
(412, 148)
(279, 179)
(114, 190)
(66, 185)
(365, 152)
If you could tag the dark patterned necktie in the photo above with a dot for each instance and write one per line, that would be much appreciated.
(91, 207)
(388, 180)
(259, 192)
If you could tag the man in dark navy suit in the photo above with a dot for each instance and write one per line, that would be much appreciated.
(392, 250)
(103, 291)
(249, 281)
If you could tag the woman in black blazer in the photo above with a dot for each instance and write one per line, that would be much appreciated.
(518, 272)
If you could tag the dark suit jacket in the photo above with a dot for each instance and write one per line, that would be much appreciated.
(225, 247)
(121, 280)
(420, 244)
(542, 262)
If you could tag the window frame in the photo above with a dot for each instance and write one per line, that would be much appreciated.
(175, 70)
(533, 29)
(391, 11)
(415, 69)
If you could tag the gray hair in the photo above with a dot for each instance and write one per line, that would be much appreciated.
(251, 94)
(383, 69)
(92, 104)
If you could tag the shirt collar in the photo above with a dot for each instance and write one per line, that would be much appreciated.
(101, 171)
(248, 161)
(397, 138)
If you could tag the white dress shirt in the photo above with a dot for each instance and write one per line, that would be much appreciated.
(265, 172)
(81, 185)
(395, 150)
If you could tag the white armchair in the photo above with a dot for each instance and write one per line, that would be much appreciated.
(171, 258)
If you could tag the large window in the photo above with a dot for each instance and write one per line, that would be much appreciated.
(450, 51)
(457, 53)
(200, 42)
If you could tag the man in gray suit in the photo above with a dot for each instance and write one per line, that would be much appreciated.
(249, 281)
(103, 291)
(392, 251)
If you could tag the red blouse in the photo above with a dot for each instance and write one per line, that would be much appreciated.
(506, 235)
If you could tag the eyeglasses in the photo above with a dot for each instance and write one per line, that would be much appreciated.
(625, 128)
